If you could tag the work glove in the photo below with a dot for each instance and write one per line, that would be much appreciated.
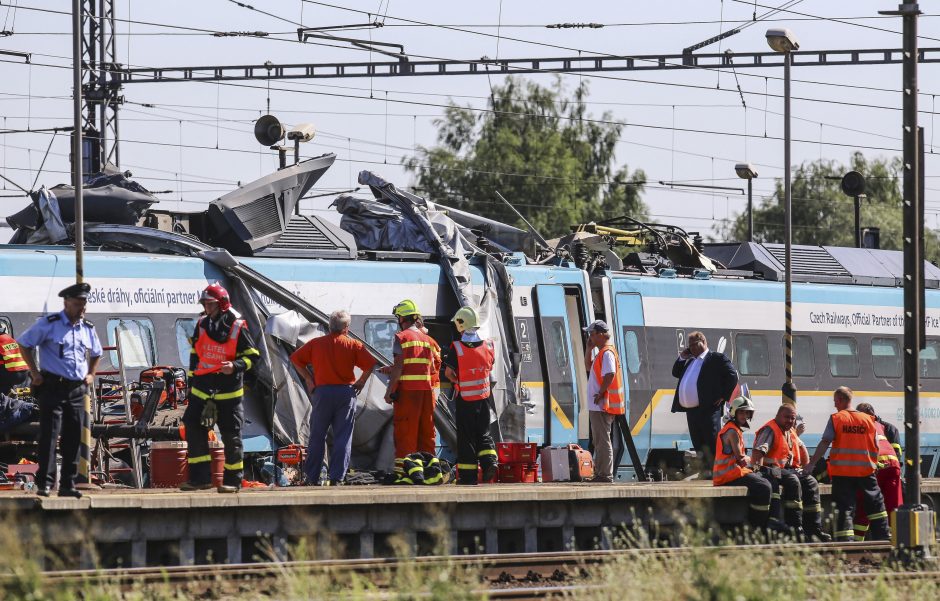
(210, 414)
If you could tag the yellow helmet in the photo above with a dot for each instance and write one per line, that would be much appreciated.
(466, 318)
(406, 308)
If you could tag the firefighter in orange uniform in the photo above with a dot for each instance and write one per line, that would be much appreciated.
(731, 463)
(852, 465)
(888, 474)
(469, 365)
(222, 352)
(14, 371)
(409, 386)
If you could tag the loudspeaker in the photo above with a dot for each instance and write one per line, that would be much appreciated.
(853, 183)
(268, 130)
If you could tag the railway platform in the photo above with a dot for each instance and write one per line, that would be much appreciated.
(137, 528)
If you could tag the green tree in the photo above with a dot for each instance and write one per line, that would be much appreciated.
(823, 215)
(537, 147)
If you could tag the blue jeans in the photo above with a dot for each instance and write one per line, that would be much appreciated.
(333, 405)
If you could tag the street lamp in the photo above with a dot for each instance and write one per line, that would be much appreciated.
(746, 171)
(784, 41)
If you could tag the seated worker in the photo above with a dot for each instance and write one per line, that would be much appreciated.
(731, 463)
(778, 450)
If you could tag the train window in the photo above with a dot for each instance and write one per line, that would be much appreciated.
(380, 333)
(930, 360)
(632, 351)
(138, 341)
(560, 344)
(752, 355)
(804, 356)
(843, 356)
(184, 334)
(886, 357)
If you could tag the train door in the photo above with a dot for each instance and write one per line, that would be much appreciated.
(558, 362)
(630, 340)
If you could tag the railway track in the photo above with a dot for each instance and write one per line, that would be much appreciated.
(503, 576)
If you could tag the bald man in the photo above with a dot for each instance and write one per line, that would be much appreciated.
(777, 448)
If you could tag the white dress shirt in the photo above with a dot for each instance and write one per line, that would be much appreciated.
(688, 385)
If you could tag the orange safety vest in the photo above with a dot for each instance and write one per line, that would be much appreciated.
(10, 357)
(435, 364)
(886, 455)
(786, 449)
(417, 356)
(612, 402)
(212, 354)
(474, 365)
(726, 468)
(854, 450)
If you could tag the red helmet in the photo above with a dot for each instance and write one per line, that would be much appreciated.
(215, 292)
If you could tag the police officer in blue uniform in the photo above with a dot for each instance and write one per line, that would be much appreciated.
(69, 352)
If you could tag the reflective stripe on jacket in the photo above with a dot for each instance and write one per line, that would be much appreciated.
(212, 355)
(886, 455)
(854, 451)
(417, 358)
(786, 449)
(613, 400)
(10, 357)
(726, 468)
(474, 365)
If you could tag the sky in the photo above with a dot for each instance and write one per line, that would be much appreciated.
(193, 142)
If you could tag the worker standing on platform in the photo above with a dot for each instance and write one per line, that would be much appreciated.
(888, 474)
(222, 352)
(13, 369)
(469, 365)
(409, 386)
(69, 352)
(852, 466)
(327, 366)
(605, 397)
(731, 463)
(777, 448)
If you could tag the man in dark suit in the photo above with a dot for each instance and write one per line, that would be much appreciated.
(706, 381)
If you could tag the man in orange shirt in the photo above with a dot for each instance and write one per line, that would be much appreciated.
(326, 365)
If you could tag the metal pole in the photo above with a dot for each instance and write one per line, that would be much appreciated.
(858, 221)
(912, 525)
(789, 390)
(750, 209)
(77, 154)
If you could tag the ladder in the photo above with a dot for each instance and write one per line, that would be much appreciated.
(115, 393)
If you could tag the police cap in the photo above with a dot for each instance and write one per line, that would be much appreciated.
(76, 291)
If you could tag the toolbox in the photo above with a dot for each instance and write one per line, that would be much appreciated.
(555, 466)
(581, 463)
(291, 454)
(517, 452)
(517, 472)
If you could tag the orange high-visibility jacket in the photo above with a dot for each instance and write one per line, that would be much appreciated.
(613, 400)
(726, 468)
(886, 454)
(474, 365)
(785, 451)
(10, 357)
(854, 451)
(417, 357)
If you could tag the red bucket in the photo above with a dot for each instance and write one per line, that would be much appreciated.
(168, 466)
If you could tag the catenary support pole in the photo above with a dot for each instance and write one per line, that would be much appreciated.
(789, 389)
(912, 524)
(750, 209)
(84, 461)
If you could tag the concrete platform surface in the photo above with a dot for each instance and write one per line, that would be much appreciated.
(162, 498)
